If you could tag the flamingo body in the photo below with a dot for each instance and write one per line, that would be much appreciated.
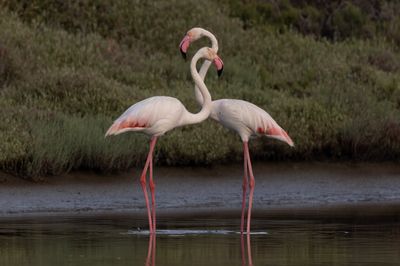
(247, 119)
(153, 116)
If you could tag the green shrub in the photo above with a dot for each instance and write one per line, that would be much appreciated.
(67, 72)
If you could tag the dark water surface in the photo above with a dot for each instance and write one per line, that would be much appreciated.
(118, 241)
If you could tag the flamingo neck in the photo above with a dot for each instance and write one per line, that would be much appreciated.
(206, 105)
(206, 64)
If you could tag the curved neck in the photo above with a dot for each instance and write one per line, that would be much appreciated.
(206, 105)
(206, 65)
(214, 42)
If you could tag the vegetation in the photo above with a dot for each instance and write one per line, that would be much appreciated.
(328, 72)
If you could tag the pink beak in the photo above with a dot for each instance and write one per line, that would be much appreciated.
(184, 45)
(219, 64)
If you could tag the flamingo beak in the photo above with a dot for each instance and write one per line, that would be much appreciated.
(184, 45)
(219, 64)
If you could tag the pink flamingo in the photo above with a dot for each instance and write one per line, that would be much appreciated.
(156, 115)
(245, 118)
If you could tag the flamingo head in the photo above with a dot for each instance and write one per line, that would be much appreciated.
(191, 36)
(211, 54)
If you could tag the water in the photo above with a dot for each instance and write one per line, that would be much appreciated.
(121, 241)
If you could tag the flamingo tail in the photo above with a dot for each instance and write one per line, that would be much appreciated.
(112, 130)
(279, 134)
(124, 126)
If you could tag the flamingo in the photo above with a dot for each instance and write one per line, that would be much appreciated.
(155, 116)
(245, 118)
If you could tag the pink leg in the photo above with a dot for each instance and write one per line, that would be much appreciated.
(251, 186)
(244, 187)
(143, 180)
(153, 196)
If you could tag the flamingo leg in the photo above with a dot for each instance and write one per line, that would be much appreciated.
(153, 196)
(143, 181)
(251, 185)
(244, 187)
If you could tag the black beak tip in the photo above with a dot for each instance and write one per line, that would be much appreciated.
(220, 72)
(183, 54)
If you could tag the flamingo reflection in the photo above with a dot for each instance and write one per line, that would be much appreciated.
(243, 250)
(151, 251)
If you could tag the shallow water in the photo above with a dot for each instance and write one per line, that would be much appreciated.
(120, 241)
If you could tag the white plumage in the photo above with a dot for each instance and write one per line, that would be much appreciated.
(247, 119)
(153, 116)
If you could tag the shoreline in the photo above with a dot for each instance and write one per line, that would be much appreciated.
(386, 211)
(296, 190)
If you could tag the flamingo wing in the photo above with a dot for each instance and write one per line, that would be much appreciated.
(247, 120)
(153, 116)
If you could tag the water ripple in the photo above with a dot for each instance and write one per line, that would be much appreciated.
(183, 232)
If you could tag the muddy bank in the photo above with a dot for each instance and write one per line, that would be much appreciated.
(281, 189)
